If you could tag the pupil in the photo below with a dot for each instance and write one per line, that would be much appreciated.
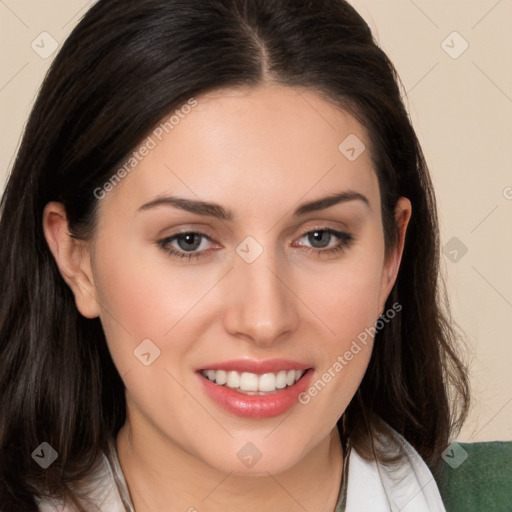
(324, 237)
(189, 239)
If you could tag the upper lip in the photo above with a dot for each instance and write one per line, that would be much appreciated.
(255, 366)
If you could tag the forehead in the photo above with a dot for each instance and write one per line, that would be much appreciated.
(256, 146)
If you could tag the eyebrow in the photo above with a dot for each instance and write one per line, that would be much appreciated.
(219, 212)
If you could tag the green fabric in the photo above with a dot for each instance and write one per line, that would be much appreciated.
(477, 477)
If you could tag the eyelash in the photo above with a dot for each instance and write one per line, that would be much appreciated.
(345, 241)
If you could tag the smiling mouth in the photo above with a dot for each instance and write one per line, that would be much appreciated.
(252, 383)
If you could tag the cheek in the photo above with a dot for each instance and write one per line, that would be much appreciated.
(349, 309)
(346, 294)
(144, 296)
(346, 299)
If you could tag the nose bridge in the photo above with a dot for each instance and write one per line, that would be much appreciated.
(261, 306)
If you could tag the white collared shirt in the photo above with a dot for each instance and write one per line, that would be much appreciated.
(408, 486)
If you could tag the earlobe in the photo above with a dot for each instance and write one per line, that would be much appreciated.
(72, 257)
(403, 212)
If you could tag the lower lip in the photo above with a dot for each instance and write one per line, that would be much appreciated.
(257, 406)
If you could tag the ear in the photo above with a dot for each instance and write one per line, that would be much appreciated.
(72, 257)
(403, 211)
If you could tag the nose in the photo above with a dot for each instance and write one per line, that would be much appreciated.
(262, 306)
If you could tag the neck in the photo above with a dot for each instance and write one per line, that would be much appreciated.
(160, 473)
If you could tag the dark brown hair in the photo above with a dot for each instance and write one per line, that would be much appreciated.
(125, 66)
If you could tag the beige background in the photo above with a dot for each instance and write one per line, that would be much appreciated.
(461, 108)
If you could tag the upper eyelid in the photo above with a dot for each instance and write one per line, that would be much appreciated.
(325, 224)
(333, 231)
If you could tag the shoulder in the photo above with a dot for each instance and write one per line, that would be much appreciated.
(406, 484)
(477, 476)
(98, 493)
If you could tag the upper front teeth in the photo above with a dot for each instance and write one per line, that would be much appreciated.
(253, 382)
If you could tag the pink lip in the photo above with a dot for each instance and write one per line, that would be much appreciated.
(258, 367)
(257, 406)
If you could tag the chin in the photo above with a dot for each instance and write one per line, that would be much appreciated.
(249, 462)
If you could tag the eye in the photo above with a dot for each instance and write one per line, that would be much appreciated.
(321, 241)
(190, 244)
(186, 245)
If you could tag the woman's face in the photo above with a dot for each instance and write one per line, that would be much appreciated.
(266, 285)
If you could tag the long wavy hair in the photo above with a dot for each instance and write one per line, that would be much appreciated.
(126, 66)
